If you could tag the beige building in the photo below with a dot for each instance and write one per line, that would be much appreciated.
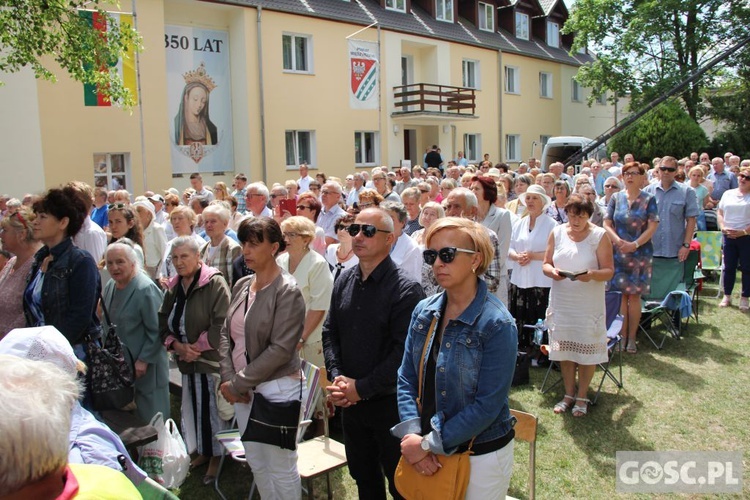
(289, 81)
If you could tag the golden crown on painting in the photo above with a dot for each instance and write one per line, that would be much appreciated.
(199, 75)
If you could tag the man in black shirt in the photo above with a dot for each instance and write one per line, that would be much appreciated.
(433, 159)
(363, 341)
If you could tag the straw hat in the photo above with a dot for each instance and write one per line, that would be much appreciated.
(539, 191)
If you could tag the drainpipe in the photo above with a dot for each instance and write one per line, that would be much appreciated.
(501, 75)
(261, 107)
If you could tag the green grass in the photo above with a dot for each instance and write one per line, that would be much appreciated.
(692, 395)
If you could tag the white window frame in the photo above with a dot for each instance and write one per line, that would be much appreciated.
(469, 71)
(545, 85)
(553, 34)
(444, 10)
(397, 5)
(108, 166)
(522, 28)
(576, 91)
(375, 141)
(486, 17)
(295, 66)
(512, 147)
(512, 82)
(296, 136)
(473, 155)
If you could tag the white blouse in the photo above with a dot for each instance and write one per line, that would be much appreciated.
(523, 240)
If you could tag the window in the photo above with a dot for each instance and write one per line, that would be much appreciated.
(486, 17)
(553, 34)
(300, 148)
(472, 147)
(522, 26)
(545, 85)
(602, 99)
(512, 80)
(512, 147)
(576, 90)
(470, 71)
(297, 53)
(366, 149)
(544, 139)
(444, 10)
(399, 5)
(112, 171)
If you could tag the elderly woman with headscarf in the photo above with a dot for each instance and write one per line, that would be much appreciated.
(190, 321)
(132, 301)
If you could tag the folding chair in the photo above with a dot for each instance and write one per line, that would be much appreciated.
(711, 254)
(231, 441)
(526, 425)
(692, 274)
(614, 320)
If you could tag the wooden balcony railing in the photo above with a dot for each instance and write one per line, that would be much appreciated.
(426, 97)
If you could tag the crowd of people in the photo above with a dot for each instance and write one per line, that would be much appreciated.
(408, 285)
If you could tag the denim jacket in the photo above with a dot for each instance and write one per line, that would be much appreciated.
(474, 371)
(70, 291)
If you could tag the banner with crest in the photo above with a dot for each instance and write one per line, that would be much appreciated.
(363, 74)
(199, 97)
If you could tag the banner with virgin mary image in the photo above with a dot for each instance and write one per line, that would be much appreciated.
(199, 100)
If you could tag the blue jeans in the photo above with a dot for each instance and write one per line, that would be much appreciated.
(737, 252)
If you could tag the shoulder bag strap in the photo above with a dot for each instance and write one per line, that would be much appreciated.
(430, 335)
(106, 313)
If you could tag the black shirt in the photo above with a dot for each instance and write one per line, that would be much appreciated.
(366, 327)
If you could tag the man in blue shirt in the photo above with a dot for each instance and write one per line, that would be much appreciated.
(100, 212)
(723, 179)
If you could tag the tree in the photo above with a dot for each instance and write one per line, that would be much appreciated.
(667, 130)
(32, 31)
(644, 47)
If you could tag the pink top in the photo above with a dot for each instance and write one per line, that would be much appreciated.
(12, 285)
(237, 328)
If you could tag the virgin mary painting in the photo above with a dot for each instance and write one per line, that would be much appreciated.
(192, 124)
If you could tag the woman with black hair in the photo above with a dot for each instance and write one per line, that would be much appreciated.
(63, 286)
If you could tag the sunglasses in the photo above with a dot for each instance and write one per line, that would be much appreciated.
(611, 186)
(446, 254)
(668, 169)
(424, 191)
(116, 206)
(367, 229)
(744, 177)
(341, 227)
(303, 207)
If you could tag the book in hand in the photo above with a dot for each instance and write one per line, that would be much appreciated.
(572, 275)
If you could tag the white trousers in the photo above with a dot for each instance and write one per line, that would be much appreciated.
(274, 469)
(490, 474)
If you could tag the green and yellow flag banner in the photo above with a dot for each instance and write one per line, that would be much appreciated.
(125, 66)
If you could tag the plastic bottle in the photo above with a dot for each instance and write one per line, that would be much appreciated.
(539, 332)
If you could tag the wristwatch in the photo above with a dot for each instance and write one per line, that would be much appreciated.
(424, 444)
(686, 245)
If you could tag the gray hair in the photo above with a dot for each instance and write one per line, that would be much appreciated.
(396, 208)
(411, 192)
(468, 195)
(259, 188)
(128, 246)
(185, 241)
(38, 398)
(333, 184)
(219, 211)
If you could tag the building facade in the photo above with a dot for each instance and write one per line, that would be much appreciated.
(259, 86)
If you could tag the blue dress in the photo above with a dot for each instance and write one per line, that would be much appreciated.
(632, 270)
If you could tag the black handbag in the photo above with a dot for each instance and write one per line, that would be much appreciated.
(274, 423)
(111, 374)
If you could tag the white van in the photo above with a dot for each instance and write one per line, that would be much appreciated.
(562, 147)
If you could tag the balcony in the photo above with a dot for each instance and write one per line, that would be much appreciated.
(434, 101)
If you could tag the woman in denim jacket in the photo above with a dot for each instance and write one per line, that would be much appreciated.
(63, 286)
(468, 368)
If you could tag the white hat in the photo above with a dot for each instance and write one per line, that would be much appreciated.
(539, 191)
(145, 204)
(157, 197)
(43, 343)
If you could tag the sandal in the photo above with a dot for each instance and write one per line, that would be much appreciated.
(632, 348)
(726, 301)
(581, 410)
(563, 405)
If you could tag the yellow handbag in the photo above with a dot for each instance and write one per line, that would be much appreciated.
(451, 480)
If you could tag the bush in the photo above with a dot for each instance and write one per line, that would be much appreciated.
(666, 130)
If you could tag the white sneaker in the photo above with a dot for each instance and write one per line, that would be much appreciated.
(744, 305)
(726, 301)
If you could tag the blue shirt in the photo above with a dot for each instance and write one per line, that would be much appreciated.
(676, 204)
(100, 216)
(722, 182)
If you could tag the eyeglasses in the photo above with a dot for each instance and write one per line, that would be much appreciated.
(612, 186)
(367, 229)
(423, 191)
(327, 192)
(274, 196)
(631, 173)
(744, 177)
(290, 234)
(362, 206)
(116, 206)
(668, 169)
(249, 195)
(446, 254)
(378, 178)
(303, 207)
(342, 227)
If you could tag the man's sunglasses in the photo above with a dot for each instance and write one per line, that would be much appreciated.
(668, 169)
(367, 229)
(446, 254)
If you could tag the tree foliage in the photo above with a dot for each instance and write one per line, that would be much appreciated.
(644, 47)
(667, 130)
(31, 31)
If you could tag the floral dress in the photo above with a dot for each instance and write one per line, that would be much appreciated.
(632, 270)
